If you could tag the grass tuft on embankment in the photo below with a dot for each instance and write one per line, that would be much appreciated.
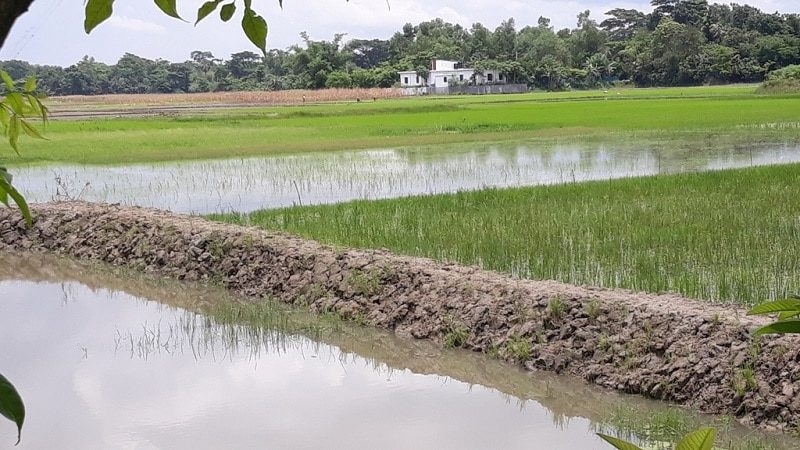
(728, 235)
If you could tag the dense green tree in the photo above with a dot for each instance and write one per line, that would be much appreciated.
(680, 42)
(623, 23)
(368, 53)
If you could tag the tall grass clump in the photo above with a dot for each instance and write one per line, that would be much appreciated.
(721, 236)
(782, 81)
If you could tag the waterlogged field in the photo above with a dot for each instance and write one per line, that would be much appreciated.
(147, 361)
(248, 184)
(196, 369)
(723, 235)
(731, 113)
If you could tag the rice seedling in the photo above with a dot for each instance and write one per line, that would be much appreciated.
(518, 347)
(216, 132)
(659, 429)
(455, 334)
(720, 236)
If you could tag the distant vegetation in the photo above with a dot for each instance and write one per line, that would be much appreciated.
(783, 81)
(727, 235)
(682, 42)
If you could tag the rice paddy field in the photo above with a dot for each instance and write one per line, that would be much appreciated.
(455, 178)
(721, 236)
(687, 190)
(733, 113)
(718, 236)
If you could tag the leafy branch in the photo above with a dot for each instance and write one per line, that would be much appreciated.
(11, 406)
(787, 310)
(16, 108)
(253, 25)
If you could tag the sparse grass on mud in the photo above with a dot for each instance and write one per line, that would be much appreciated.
(728, 235)
(676, 112)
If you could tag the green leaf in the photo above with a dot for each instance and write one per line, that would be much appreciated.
(702, 439)
(30, 84)
(619, 444)
(40, 108)
(169, 7)
(206, 9)
(789, 304)
(6, 186)
(16, 102)
(13, 132)
(11, 406)
(30, 130)
(97, 11)
(7, 80)
(4, 117)
(3, 194)
(782, 327)
(255, 28)
(788, 315)
(226, 12)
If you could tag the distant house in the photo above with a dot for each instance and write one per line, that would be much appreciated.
(447, 77)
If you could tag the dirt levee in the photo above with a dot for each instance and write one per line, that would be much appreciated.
(661, 346)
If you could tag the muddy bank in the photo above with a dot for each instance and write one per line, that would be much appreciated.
(565, 397)
(661, 346)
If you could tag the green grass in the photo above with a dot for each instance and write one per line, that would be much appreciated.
(659, 430)
(728, 235)
(706, 111)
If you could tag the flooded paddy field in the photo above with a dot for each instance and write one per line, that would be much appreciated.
(138, 362)
(248, 184)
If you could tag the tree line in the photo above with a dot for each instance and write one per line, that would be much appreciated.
(681, 42)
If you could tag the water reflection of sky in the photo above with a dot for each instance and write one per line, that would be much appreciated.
(254, 183)
(67, 348)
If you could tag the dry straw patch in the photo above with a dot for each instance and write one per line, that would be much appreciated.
(233, 98)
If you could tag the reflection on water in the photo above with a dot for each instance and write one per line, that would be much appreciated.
(102, 367)
(254, 183)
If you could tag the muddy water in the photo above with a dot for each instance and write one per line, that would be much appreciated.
(254, 183)
(121, 361)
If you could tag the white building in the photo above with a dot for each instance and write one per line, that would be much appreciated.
(444, 74)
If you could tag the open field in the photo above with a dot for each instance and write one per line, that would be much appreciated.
(289, 97)
(295, 97)
(668, 114)
(727, 235)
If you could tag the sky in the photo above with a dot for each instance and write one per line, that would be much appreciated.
(52, 31)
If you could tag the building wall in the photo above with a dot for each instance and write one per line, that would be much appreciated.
(411, 79)
(442, 78)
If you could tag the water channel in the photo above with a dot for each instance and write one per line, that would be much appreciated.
(244, 185)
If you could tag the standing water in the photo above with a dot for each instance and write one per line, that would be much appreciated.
(244, 185)
(108, 361)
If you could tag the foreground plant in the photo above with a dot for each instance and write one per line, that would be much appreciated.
(11, 406)
(787, 310)
(702, 439)
(16, 108)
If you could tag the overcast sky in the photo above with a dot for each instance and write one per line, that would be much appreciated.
(52, 31)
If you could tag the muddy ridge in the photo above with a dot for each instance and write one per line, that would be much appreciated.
(661, 346)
